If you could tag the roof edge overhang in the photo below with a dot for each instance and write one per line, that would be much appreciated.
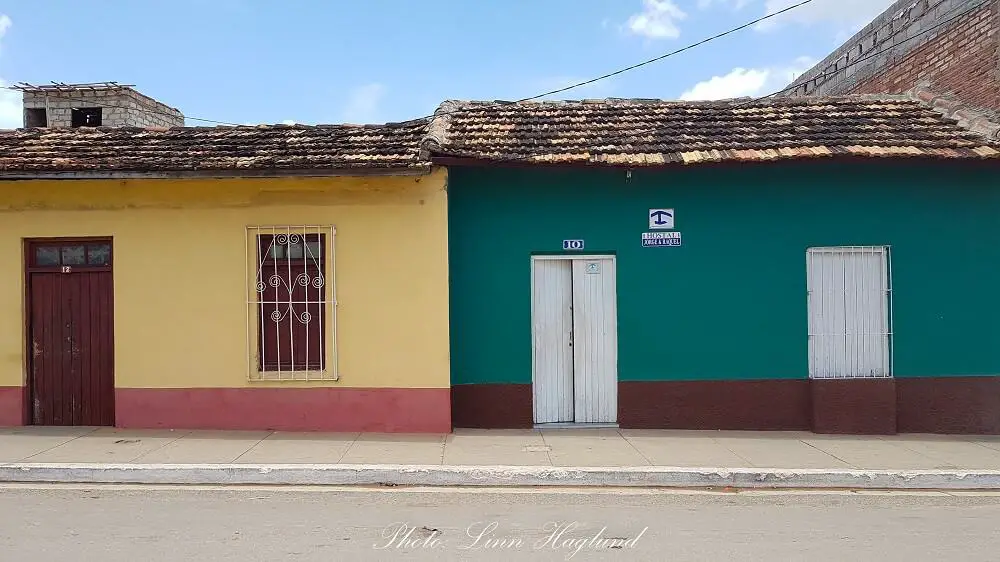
(213, 174)
(455, 161)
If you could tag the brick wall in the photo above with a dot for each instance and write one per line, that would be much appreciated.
(897, 53)
(961, 62)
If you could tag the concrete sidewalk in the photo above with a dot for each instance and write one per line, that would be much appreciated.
(500, 457)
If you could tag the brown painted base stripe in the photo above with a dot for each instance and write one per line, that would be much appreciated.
(961, 405)
(857, 407)
(749, 405)
(505, 406)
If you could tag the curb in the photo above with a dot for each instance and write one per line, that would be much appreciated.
(493, 476)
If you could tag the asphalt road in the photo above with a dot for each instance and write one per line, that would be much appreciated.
(109, 524)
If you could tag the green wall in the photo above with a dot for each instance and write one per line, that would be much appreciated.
(730, 303)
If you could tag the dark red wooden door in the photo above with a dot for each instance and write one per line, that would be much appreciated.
(72, 338)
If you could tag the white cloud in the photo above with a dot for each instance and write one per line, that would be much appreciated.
(847, 15)
(753, 82)
(288, 122)
(11, 112)
(363, 104)
(738, 83)
(657, 20)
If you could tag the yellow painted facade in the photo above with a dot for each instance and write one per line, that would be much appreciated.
(180, 272)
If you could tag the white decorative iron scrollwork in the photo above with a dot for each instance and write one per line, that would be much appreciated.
(278, 315)
(290, 282)
(286, 282)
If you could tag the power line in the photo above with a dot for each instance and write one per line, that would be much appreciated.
(667, 55)
(858, 61)
(94, 102)
(634, 66)
(544, 94)
(152, 111)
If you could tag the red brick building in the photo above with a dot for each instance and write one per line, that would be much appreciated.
(948, 47)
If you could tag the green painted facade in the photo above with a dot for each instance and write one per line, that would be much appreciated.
(730, 303)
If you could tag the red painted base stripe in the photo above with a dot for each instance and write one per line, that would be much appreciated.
(11, 405)
(388, 410)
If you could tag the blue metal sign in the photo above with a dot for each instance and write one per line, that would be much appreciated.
(572, 244)
(661, 219)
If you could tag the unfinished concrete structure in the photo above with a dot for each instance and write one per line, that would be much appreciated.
(106, 104)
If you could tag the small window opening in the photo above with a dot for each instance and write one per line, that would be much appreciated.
(86, 117)
(35, 118)
(55, 255)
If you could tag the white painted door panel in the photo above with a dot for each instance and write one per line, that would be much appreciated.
(552, 335)
(865, 301)
(827, 319)
(595, 341)
(848, 312)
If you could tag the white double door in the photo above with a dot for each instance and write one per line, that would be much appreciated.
(574, 339)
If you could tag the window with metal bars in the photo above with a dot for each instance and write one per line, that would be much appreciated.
(291, 304)
(850, 312)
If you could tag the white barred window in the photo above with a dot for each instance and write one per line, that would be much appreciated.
(850, 312)
(291, 305)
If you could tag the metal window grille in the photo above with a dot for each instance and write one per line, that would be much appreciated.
(291, 303)
(850, 312)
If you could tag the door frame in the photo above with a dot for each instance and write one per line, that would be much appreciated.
(581, 256)
(27, 245)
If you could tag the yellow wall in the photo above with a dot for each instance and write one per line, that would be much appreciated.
(180, 272)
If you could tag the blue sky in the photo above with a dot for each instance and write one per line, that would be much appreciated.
(333, 61)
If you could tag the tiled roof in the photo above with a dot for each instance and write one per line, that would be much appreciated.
(638, 133)
(631, 133)
(210, 149)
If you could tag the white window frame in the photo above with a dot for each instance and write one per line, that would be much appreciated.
(842, 346)
(329, 370)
